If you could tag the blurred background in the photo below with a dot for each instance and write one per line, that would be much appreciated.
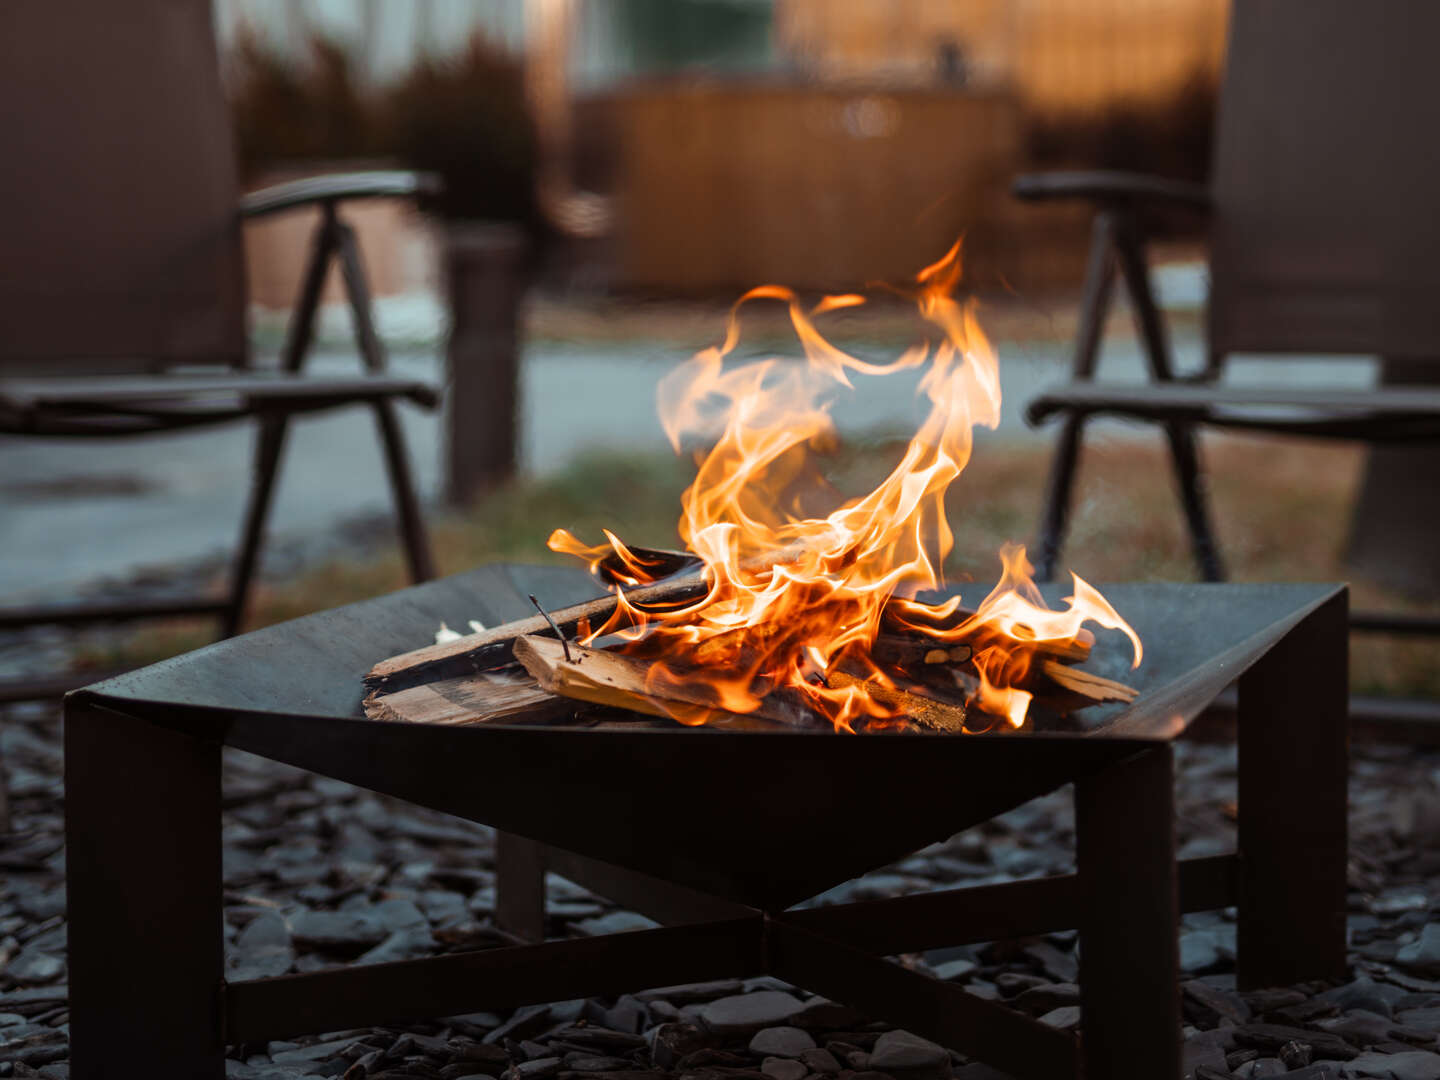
(719, 143)
(629, 167)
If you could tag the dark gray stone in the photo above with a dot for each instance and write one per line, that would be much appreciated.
(337, 930)
(1295, 1054)
(1066, 1018)
(1209, 1005)
(1271, 1037)
(628, 1014)
(408, 944)
(525, 1021)
(786, 1042)
(1359, 1026)
(903, 1050)
(1043, 999)
(1410, 1065)
(31, 966)
(398, 913)
(302, 1055)
(690, 993)
(595, 1062)
(1262, 1067)
(1423, 954)
(783, 1069)
(746, 1013)
(821, 1014)
(1202, 1049)
(262, 949)
(605, 1038)
(1423, 1019)
(952, 970)
(537, 1069)
(1199, 952)
(1364, 993)
(820, 1061)
(1060, 966)
(617, 922)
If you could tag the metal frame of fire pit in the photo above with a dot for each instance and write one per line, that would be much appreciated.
(143, 864)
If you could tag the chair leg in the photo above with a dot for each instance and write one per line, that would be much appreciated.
(269, 444)
(1130, 250)
(1094, 307)
(1055, 521)
(143, 879)
(1190, 479)
(407, 502)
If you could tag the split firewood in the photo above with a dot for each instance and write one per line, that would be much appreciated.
(1086, 684)
(609, 678)
(1075, 650)
(491, 649)
(494, 648)
(483, 698)
(927, 712)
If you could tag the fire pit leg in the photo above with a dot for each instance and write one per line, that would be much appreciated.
(1129, 960)
(520, 886)
(142, 870)
(1294, 774)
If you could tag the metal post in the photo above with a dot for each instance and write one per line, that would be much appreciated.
(520, 886)
(1129, 956)
(1294, 762)
(485, 270)
(142, 873)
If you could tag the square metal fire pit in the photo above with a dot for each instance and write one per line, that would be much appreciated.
(143, 831)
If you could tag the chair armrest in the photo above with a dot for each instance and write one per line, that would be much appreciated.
(334, 187)
(1110, 188)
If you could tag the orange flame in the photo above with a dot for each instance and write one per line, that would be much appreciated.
(792, 596)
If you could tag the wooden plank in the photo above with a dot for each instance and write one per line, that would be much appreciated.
(608, 678)
(927, 712)
(494, 648)
(1087, 684)
(470, 699)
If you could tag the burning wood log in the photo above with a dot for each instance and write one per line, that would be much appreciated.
(489, 697)
(456, 682)
(927, 712)
(608, 678)
(1086, 684)
(490, 649)
(494, 648)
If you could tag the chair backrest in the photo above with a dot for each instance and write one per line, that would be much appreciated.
(1326, 236)
(119, 240)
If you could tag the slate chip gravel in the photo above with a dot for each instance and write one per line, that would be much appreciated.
(318, 873)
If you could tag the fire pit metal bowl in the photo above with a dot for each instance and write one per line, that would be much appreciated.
(700, 829)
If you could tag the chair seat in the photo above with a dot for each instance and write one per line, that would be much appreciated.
(1387, 414)
(134, 404)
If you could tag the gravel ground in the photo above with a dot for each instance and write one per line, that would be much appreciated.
(318, 872)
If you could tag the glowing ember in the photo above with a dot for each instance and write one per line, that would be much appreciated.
(793, 598)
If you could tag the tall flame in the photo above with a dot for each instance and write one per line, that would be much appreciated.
(793, 596)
